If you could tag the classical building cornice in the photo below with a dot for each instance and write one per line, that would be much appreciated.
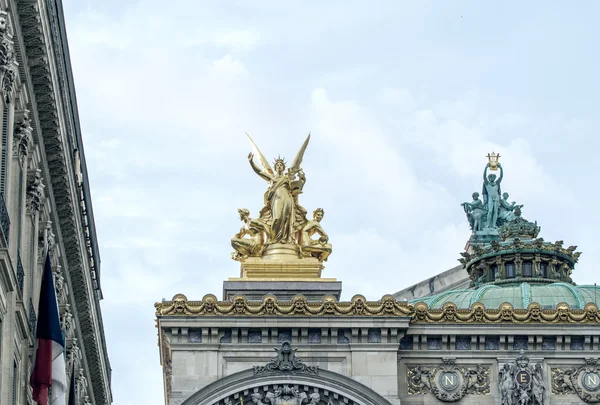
(358, 306)
(45, 67)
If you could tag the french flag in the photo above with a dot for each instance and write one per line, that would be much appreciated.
(49, 376)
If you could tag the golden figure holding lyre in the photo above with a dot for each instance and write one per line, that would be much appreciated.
(283, 217)
(281, 211)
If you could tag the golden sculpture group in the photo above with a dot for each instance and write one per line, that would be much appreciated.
(281, 232)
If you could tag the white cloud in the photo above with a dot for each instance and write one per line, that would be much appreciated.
(242, 40)
(228, 65)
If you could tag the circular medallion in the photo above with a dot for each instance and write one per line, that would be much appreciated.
(523, 377)
(448, 380)
(591, 381)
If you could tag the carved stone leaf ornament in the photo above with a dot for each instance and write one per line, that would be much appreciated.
(286, 362)
(448, 382)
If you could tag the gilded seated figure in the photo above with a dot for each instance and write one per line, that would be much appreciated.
(319, 248)
(254, 244)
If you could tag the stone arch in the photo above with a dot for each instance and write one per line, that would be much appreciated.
(333, 389)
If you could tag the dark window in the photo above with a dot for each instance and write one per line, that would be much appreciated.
(544, 269)
(342, 338)
(520, 343)
(406, 343)
(434, 343)
(510, 269)
(14, 382)
(254, 336)
(492, 343)
(284, 335)
(314, 335)
(463, 343)
(226, 336)
(548, 342)
(577, 343)
(374, 336)
(527, 269)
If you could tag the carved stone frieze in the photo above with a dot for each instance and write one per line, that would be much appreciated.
(448, 382)
(285, 394)
(387, 306)
(51, 81)
(583, 380)
(521, 383)
(286, 362)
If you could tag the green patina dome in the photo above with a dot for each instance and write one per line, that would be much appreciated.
(519, 295)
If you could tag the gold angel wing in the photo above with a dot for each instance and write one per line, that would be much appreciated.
(298, 159)
(263, 161)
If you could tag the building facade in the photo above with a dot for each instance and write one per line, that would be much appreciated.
(507, 327)
(45, 204)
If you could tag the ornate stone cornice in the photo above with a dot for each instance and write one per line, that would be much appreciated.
(53, 106)
(358, 306)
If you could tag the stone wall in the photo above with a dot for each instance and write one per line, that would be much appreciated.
(206, 350)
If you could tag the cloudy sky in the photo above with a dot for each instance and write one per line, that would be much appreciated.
(404, 101)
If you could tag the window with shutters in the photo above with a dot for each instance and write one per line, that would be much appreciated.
(15, 377)
(4, 155)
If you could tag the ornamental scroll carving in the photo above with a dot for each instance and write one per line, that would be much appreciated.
(583, 380)
(448, 382)
(286, 362)
(387, 306)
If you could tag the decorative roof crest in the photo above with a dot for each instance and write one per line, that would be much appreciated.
(286, 362)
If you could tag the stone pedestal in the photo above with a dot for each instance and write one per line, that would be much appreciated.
(255, 290)
(483, 237)
(282, 262)
(281, 271)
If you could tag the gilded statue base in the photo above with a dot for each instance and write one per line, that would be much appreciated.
(281, 262)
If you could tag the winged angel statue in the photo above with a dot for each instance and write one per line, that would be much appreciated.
(282, 220)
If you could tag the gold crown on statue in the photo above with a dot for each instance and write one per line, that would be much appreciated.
(279, 160)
